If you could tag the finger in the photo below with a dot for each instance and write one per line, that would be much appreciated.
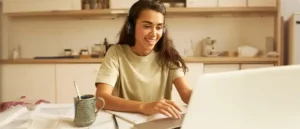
(173, 110)
(162, 111)
(166, 109)
(174, 107)
(174, 104)
(170, 110)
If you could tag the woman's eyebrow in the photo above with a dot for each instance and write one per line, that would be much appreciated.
(149, 22)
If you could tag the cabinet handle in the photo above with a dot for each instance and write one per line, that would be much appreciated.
(297, 22)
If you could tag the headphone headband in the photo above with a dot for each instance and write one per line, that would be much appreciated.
(130, 21)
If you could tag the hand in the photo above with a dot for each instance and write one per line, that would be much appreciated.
(165, 107)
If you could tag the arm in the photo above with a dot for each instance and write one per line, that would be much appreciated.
(183, 89)
(115, 103)
(165, 107)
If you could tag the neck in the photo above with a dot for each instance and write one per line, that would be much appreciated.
(139, 51)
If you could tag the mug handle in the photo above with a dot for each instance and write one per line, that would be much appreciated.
(103, 103)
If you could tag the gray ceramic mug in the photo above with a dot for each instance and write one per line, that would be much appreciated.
(85, 110)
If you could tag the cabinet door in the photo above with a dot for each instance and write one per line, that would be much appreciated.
(83, 74)
(253, 66)
(232, 3)
(213, 68)
(195, 71)
(36, 81)
(201, 3)
(192, 76)
(121, 4)
(40, 5)
(259, 3)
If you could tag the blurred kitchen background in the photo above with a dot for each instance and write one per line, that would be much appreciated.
(45, 36)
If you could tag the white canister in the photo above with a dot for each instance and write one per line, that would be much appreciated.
(15, 54)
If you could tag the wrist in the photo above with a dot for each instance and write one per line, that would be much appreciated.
(141, 107)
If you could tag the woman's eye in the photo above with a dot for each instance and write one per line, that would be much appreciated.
(147, 26)
(159, 28)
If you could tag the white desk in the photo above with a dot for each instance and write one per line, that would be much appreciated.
(61, 116)
(31, 120)
(105, 121)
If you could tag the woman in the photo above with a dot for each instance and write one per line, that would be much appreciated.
(137, 73)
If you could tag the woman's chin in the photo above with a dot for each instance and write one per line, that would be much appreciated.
(149, 46)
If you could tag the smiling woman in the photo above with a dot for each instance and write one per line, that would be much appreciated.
(137, 74)
(149, 29)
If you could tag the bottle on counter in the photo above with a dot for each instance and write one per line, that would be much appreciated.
(105, 44)
(100, 4)
(105, 4)
(86, 4)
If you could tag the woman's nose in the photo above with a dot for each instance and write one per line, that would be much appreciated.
(153, 31)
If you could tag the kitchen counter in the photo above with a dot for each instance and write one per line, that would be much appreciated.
(208, 60)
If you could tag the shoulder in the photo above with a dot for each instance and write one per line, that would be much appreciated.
(175, 65)
(117, 49)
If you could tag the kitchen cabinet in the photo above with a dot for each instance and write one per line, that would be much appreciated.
(201, 3)
(40, 5)
(191, 77)
(121, 4)
(83, 74)
(252, 66)
(54, 82)
(36, 81)
(195, 71)
(262, 3)
(232, 3)
(214, 68)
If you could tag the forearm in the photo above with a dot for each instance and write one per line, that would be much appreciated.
(186, 97)
(114, 103)
(184, 91)
(119, 104)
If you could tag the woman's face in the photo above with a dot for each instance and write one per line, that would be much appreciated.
(148, 29)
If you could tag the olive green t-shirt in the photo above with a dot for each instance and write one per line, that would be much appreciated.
(134, 77)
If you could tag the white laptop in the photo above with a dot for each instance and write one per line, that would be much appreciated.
(264, 98)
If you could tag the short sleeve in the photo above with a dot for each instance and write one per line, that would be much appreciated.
(109, 69)
(175, 73)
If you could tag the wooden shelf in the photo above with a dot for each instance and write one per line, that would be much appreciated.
(223, 9)
(208, 60)
(231, 60)
(51, 61)
(170, 11)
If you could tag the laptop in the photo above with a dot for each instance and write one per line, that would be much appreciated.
(263, 98)
(165, 123)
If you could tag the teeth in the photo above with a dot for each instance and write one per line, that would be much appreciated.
(150, 39)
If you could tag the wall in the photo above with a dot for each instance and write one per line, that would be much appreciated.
(49, 36)
(0, 29)
(288, 7)
(4, 36)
